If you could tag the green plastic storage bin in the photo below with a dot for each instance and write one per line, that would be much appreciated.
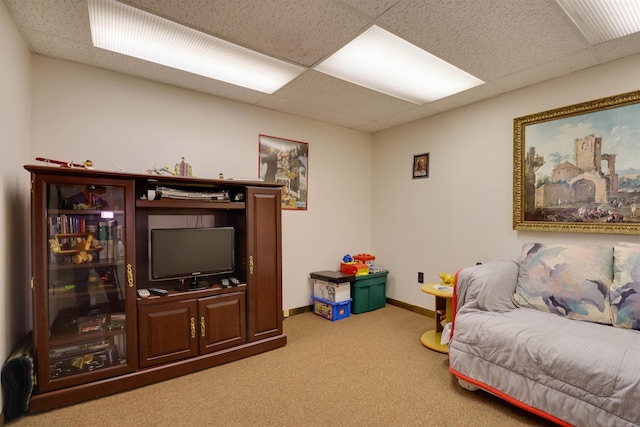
(369, 292)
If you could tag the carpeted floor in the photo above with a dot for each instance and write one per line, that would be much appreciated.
(369, 369)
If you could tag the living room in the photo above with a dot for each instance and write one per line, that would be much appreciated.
(362, 197)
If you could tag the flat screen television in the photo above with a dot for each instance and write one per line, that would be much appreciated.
(191, 253)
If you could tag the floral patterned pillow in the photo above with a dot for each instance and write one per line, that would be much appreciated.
(567, 280)
(625, 290)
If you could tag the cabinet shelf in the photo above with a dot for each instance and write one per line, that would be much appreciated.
(93, 264)
(191, 204)
(71, 338)
(84, 212)
(63, 292)
(66, 330)
(175, 295)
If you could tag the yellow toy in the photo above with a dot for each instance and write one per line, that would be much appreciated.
(82, 247)
(447, 279)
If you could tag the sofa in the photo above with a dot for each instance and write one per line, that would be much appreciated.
(555, 331)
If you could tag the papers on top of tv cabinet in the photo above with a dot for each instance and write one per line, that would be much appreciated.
(173, 193)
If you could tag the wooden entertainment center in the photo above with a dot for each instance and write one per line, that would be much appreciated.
(93, 335)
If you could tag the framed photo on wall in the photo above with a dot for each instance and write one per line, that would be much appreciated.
(577, 168)
(286, 162)
(421, 166)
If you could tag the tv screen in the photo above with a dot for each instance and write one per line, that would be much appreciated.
(190, 253)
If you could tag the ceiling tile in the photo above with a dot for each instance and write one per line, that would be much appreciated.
(371, 127)
(321, 90)
(487, 38)
(371, 8)
(66, 19)
(470, 96)
(60, 47)
(417, 113)
(301, 31)
(539, 73)
(304, 109)
(619, 48)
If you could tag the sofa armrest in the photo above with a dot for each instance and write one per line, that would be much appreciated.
(488, 287)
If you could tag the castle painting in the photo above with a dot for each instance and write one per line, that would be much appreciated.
(579, 168)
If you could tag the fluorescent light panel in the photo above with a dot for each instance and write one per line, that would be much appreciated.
(603, 20)
(383, 62)
(124, 29)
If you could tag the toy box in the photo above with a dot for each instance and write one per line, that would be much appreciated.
(357, 268)
(334, 292)
(369, 292)
(332, 286)
(365, 259)
(331, 310)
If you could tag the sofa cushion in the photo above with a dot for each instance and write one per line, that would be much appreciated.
(567, 280)
(625, 290)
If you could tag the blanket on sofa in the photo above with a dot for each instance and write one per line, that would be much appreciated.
(578, 372)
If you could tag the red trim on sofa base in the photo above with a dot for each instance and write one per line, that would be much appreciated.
(510, 399)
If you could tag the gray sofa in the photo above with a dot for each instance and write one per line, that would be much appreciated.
(554, 332)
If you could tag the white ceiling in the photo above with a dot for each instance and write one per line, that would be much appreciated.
(507, 43)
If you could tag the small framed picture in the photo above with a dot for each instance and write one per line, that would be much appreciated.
(421, 166)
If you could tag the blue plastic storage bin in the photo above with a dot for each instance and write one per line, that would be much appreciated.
(331, 310)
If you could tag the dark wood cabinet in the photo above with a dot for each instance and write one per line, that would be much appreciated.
(222, 322)
(91, 233)
(180, 329)
(84, 304)
(264, 247)
(167, 332)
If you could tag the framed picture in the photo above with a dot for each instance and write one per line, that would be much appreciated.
(420, 166)
(577, 168)
(286, 162)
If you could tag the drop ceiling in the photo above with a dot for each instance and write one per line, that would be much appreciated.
(508, 44)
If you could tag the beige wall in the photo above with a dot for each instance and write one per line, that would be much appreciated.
(15, 118)
(462, 214)
(118, 121)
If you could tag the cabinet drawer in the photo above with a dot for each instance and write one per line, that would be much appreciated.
(167, 332)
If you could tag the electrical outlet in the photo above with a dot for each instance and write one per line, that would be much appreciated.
(285, 313)
(420, 277)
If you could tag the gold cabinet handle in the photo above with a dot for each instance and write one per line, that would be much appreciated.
(202, 326)
(251, 264)
(130, 275)
(193, 327)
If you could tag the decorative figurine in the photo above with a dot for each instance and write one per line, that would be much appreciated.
(84, 165)
(183, 168)
(447, 279)
(160, 171)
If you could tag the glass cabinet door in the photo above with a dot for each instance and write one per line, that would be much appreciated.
(81, 291)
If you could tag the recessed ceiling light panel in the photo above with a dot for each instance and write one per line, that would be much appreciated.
(383, 62)
(124, 29)
(603, 20)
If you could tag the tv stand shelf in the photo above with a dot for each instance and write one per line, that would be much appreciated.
(113, 340)
(175, 295)
(191, 204)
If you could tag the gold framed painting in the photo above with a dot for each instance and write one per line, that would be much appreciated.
(286, 162)
(577, 168)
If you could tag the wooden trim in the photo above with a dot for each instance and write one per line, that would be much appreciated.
(410, 307)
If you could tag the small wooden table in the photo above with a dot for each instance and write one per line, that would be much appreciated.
(444, 298)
